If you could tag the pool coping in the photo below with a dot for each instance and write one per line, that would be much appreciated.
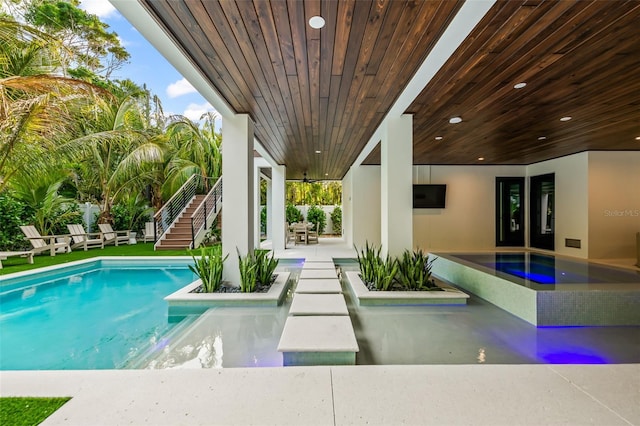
(183, 302)
(365, 297)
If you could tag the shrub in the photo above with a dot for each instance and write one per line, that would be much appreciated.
(13, 213)
(209, 267)
(336, 220)
(131, 214)
(385, 273)
(293, 214)
(316, 216)
(368, 258)
(414, 271)
(263, 220)
(248, 272)
(265, 266)
(67, 214)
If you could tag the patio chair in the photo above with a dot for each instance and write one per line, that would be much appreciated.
(149, 233)
(42, 243)
(113, 237)
(290, 237)
(6, 254)
(312, 236)
(83, 239)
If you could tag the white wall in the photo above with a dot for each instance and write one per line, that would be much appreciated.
(571, 200)
(468, 220)
(614, 204)
(361, 205)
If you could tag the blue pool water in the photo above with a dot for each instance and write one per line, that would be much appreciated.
(95, 316)
(546, 270)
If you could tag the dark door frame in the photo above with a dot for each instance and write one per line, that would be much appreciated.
(509, 222)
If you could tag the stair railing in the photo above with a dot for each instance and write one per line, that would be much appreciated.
(167, 215)
(209, 205)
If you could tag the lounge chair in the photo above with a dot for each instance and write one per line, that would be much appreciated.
(113, 237)
(149, 233)
(42, 243)
(83, 239)
(5, 254)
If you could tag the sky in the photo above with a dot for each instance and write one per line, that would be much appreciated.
(147, 66)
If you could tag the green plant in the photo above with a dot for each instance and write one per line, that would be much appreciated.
(293, 214)
(414, 271)
(265, 266)
(13, 213)
(132, 213)
(263, 220)
(384, 273)
(248, 272)
(368, 259)
(336, 220)
(317, 216)
(209, 267)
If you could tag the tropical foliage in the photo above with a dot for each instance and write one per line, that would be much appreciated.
(314, 193)
(336, 220)
(293, 214)
(248, 272)
(265, 266)
(317, 216)
(412, 271)
(208, 267)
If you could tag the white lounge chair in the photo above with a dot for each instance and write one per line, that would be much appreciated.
(113, 237)
(149, 232)
(5, 254)
(82, 238)
(42, 243)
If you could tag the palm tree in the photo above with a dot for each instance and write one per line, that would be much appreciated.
(194, 150)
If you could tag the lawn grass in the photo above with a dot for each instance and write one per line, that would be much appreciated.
(20, 411)
(18, 264)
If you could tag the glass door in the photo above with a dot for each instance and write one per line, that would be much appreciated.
(542, 213)
(510, 211)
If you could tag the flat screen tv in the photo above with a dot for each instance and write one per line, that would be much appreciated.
(429, 196)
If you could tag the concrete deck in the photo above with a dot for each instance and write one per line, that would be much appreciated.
(318, 265)
(374, 395)
(312, 274)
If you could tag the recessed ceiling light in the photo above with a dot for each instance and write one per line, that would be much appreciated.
(439, 138)
(541, 138)
(480, 158)
(455, 120)
(326, 174)
(316, 22)
(318, 152)
(519, 85)
(638, 138)
(567, 118)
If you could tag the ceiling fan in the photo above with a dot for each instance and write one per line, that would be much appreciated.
(305, 179)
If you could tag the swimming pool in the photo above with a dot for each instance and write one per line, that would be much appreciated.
(547, 290)
(92, 315)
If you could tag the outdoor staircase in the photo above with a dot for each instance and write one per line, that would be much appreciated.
(184, 220)
(179, 235)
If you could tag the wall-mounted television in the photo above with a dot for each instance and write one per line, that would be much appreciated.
(429, 196)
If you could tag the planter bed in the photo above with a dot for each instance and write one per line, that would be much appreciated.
(183, 302)
(365, 297)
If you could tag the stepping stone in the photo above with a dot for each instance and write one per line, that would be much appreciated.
(318, 340)
(315, 274)
(318, 259)
(318, 304)
(318, 265)
(331, 285)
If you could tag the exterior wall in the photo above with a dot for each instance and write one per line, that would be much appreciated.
(571, 198)
(614, 204)
(361, 205)
(468, 220)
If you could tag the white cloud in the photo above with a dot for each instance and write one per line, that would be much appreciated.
(195, 111)
(101, 8)
(179, 88)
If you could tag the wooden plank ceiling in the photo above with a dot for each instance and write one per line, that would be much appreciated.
(327, 90)
(579, 59)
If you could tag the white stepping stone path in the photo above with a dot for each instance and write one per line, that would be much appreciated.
(324, 259)
(318, 330)
(318, 304)
(330, 285)
(318, 340)
(318, 265)
(314, 274)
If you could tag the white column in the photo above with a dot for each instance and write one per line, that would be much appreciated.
(237, 192)
(269, 211)
(256, 203)
(396, 185)
(277, 214)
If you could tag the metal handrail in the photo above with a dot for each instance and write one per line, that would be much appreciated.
(208, 205)
(169, 212)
